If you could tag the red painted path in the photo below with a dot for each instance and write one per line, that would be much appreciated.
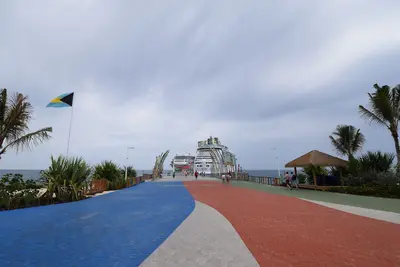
(285, 231)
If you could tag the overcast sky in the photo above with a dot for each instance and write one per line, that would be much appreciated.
(161, 75)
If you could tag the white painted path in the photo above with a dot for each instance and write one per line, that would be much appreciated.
(205, 238)
(375, 214)
(182, 178)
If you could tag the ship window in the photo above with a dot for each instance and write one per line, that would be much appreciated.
(207, 165)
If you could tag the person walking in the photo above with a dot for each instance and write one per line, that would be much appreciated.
(196, 174)
(294, 181)
(287, 180)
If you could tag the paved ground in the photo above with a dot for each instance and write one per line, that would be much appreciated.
(180, 178)
(385, 204)
(285, 231)
(197, 223)
(375, 214)
(118, 229)
(205, 238)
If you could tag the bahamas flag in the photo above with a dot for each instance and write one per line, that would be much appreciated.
(62, 101)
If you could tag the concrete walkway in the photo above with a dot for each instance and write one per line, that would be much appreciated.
(205, 238)
(160, 224)
(374, 203)
(182, 178)
(370, 213)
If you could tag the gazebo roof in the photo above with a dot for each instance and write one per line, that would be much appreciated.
(316, 158)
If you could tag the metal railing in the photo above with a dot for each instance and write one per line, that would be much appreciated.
(264, 180)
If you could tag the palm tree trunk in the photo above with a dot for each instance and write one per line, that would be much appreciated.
(397, 146)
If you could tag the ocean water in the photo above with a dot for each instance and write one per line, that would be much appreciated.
(27, 174)
(267, 173)
(35, 174)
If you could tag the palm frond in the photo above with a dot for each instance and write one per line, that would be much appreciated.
(376, 161)
(3, 107)
(371, 117)
(382, 103)
(358, 141)
(19, 114)
(338, 146)
(29, 140)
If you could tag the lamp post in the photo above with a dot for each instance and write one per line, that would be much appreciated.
(126, 166)
(277, 160)
(236, 168)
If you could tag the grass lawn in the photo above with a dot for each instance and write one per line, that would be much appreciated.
(376, 203)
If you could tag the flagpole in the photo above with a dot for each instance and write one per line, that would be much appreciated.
(70, 126)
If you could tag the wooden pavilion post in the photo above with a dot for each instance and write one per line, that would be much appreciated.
(341, 178)
(315, 179)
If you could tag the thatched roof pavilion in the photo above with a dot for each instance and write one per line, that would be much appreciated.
(316, 158)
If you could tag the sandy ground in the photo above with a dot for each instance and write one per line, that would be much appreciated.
(205, 238)
(375, 214)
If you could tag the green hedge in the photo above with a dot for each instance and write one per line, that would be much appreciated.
(374, 191)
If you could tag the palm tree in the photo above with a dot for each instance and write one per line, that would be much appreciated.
(376, 161)
(385, 110)
(347, 140)
(15, 115)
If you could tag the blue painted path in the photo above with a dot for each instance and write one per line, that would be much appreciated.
(118, 229)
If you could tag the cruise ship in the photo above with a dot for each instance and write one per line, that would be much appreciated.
(214, 158)
(183, 162)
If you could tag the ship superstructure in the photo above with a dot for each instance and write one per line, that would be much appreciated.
(214, 158)
(183, 162)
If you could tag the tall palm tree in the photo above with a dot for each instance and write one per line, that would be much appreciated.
(347, 140)
(15, 115)
(385, 110)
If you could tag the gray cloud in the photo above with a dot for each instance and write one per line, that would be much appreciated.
(163, 74)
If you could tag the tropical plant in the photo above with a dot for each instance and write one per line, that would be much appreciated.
(385, 110)
(130, 171)
(159, 164)
(312, 170)
(302, 178)
(107, 170)
(376, 162)
(339, 171)
(347, 140)
(15, 192)
(66, 178)
(15, 115)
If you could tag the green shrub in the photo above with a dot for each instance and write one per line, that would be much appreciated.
(16, 193)
(301, 178)
(131, 172)
(111, 172)
(376, 162)
(384, 184)
(117, 184)
(375, 191)
(107, 170)
(310, 170)
(67, 178)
